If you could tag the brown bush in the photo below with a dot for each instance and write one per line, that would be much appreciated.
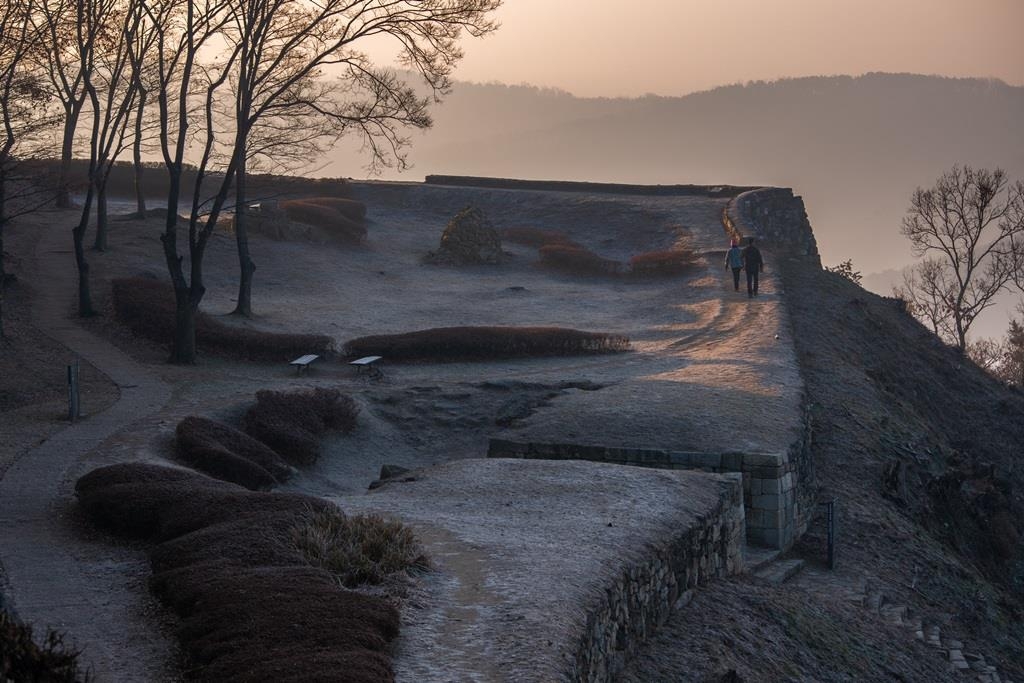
(664, 263)
(292, 422)
(350, 208)
(140, 499)
(535, 237)
(279, 623)
(461, 343)
(251, 607)
(228, 453)
(256, 539)
(327, 218)
(22, 659)
(143, 508)
(147, 308)
(577, 260)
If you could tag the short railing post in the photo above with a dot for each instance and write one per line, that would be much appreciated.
(831, 516)
(73, 398)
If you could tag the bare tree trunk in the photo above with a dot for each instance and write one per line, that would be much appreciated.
(72, 110)
(3, 224)
(85, 308)
(245, 264)
(102, 223)
(183, 345)
(140, 196)
(183, 349)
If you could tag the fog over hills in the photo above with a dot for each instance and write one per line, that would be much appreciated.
(854, 147)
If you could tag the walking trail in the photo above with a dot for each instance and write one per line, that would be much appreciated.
(56, 578)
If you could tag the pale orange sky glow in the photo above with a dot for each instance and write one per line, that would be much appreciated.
(673, 47)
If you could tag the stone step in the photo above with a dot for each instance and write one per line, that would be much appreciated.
(757, 558)
(780, 572)
(893, 614)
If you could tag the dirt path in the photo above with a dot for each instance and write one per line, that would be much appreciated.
(56, 578)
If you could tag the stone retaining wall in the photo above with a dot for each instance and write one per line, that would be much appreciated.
(588, 187)
(778, 504)
(776, 217)
(646, 595)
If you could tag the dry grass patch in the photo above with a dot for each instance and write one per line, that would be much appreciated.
(23, 659)
(360, 549)
(474, 343)
(147, 307)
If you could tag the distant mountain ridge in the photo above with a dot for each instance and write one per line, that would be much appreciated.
(854, 147)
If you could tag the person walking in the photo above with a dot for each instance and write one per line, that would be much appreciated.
(734, 260)
(754, 265)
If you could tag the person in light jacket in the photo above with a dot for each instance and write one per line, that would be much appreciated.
(734, 260)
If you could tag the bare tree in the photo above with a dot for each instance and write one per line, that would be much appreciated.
(61, 61)
(185, 30)
(972, 222)
(930, 294)
(23, 100)
(1011, 368)
(113, 88)
(284, 46)
(144, 128)
(102, 30)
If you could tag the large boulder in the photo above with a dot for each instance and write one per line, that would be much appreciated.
(470, 238)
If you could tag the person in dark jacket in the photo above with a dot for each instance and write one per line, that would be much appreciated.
(734, 260)
(754, 265)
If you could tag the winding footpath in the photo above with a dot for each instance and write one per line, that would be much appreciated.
(56, 578)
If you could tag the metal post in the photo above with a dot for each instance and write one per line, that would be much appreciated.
(830, 511)
(73, 402)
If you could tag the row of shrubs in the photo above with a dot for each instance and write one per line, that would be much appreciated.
(461, 343)
(255, 598)
(341, 218)
(282, 430)
(23, 659)
(147, 307)
(558, 252)
(155, 181)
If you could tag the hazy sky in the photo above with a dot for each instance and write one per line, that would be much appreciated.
(673, 47)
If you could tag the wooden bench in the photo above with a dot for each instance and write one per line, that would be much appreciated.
(370, 365)
(302, 363)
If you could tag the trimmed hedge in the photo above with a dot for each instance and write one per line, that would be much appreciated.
(350, 208)
(661, 263)
(328, 217)
(22, 659)
(147, 308)
(535, 237)
(230, 454)
(251, 606)
(577, 260)
(292, 422)
(461, 343)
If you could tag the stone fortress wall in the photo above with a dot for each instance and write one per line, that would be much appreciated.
(645, 596)
(779, 490)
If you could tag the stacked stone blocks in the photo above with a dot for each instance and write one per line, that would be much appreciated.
(646, 594)
(773, 515)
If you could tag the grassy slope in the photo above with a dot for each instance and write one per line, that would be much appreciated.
(925, 452)
(884, 392)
